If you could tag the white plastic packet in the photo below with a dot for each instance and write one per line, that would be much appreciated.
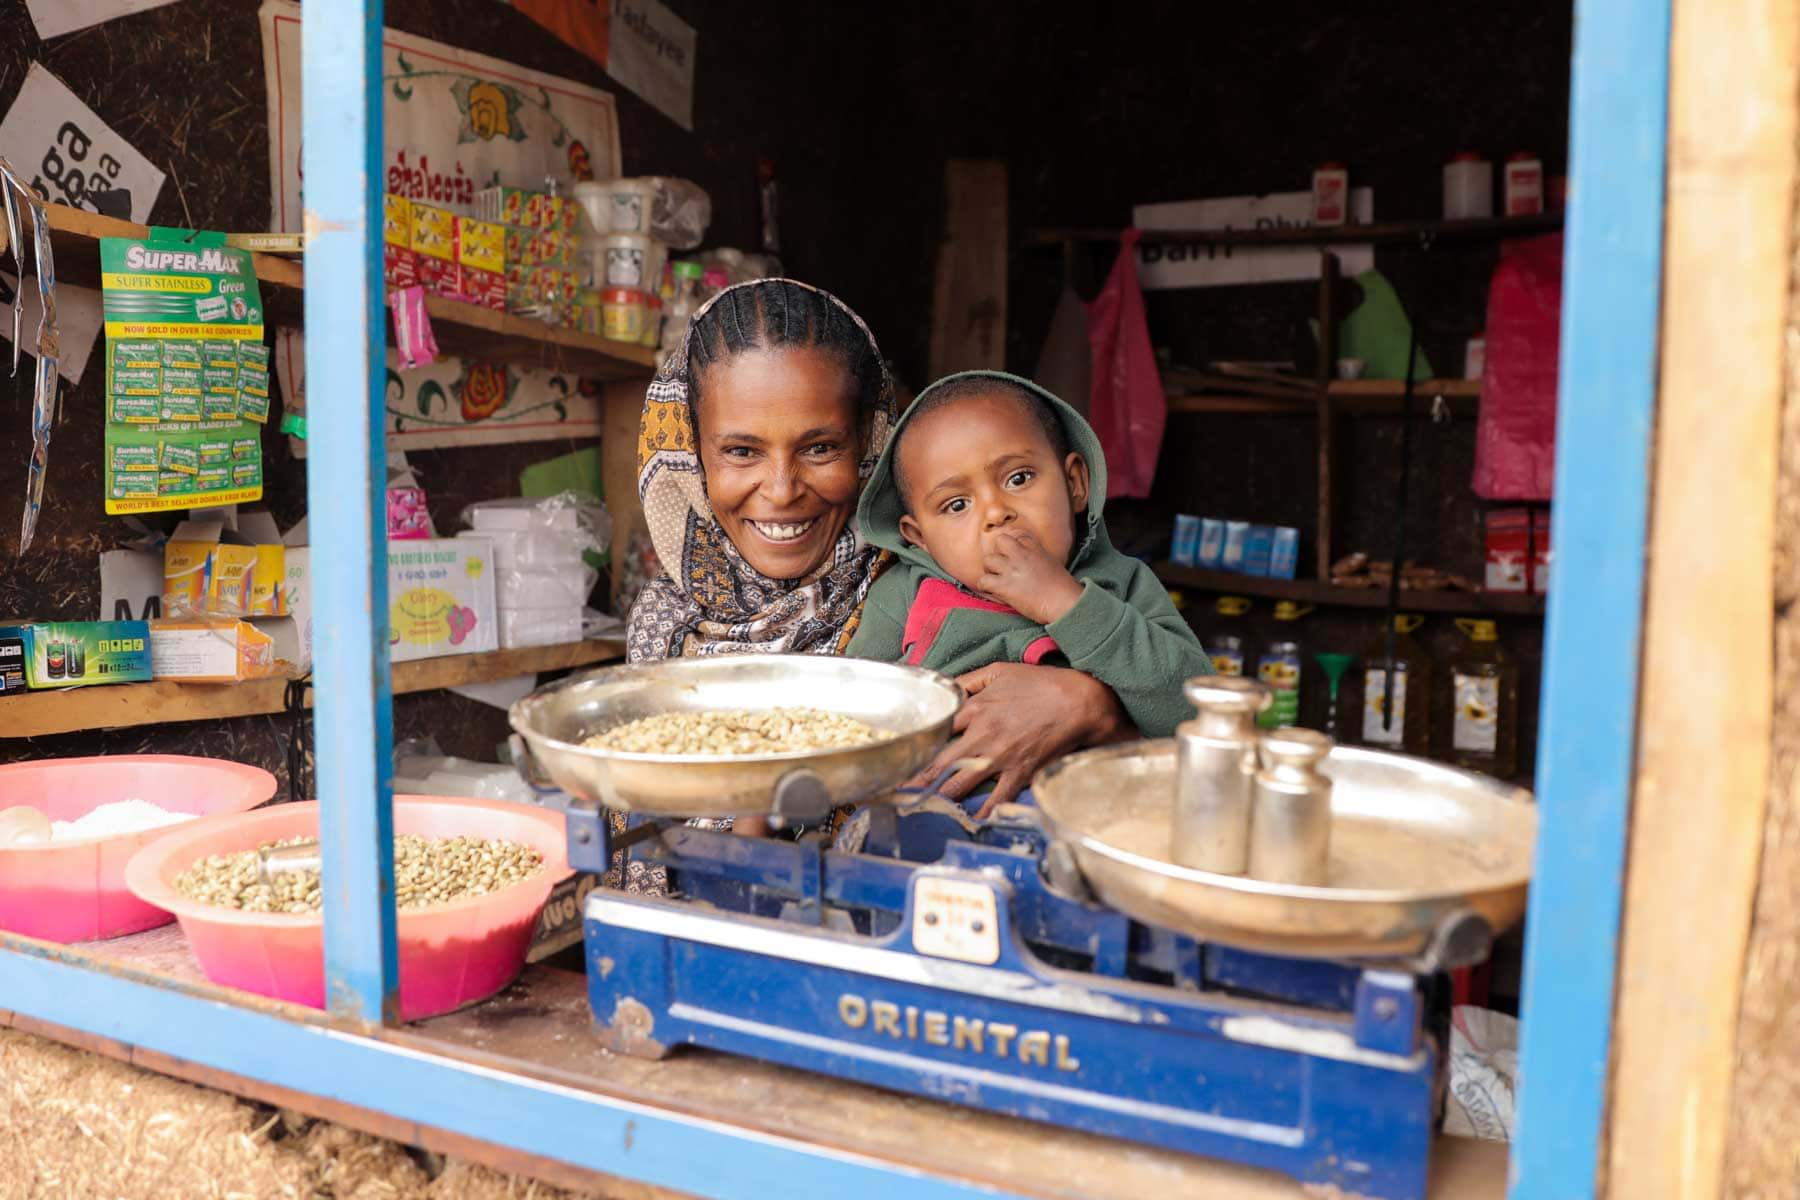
(1484, 1074)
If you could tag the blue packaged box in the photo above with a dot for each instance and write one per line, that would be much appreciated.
(12, 661)
(1186, 542)
(1258, 545)
(1212, 543)
(74, 653)
(1237, 534)
(1284, 554)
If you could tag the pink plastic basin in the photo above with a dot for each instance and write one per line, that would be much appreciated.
(450, 954)
(75, 891)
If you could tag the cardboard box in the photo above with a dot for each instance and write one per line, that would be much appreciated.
(297, 596)
(396, 221)
(481, 244)
(1508, 551)
(1237, 538)
(231, 572)
(12, 661)
(1284, 554)
(441, 598)
(218, 650)
(1540, 551)
(131, 585)
(399, 267)
(433, 233)
(1259, 547)
(475, 286)
(75, 653)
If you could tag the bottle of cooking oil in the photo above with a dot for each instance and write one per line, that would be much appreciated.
(1484, 682)
(1226, 645)
(1279, 665)
(1366, 716)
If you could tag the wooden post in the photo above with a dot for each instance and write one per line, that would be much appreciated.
(968, 309)
(620, 406)
(1705, 702)
(345, 500)
(1328, 282)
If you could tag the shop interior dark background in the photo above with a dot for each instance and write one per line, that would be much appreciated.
(859, 107)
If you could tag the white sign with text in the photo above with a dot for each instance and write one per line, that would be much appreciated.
(1196, 264)
(69, 156)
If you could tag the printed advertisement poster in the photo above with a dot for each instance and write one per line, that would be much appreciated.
(455, 122)
(187, 374)
(54, 18)
(640, 43)
(69, 156)
(1196, 264)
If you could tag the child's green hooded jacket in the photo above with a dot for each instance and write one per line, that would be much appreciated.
(1123, 631)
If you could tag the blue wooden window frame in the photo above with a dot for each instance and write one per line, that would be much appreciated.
(1607, 402)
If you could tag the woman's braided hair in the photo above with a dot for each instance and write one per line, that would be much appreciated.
(774, 313)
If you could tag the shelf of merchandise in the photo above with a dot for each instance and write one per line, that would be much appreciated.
(517, 1082)
(160, 702)
(1374, 396)
(1378, 233)
(1313, 591)
(462, 330)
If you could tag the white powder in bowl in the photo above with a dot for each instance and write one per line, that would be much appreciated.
(120, 816)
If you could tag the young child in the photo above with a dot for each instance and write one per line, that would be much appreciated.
(990, 493)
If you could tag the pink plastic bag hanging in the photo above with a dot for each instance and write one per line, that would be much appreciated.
(1127, 408)
(1515, 437)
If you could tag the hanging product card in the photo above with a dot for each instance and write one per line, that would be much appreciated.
(187, 373)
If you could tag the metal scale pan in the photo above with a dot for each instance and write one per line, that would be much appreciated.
(914, 707)
(1416, 848)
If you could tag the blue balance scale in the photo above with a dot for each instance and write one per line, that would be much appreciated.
(1020, 964)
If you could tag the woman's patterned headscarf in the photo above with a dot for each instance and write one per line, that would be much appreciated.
(709, 600)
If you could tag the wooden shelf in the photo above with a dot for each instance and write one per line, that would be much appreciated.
(1378, 233)
(1313, 591)
(114, 706)
(1373, 396)
(462, 330)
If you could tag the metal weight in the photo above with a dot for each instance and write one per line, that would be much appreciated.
(1290, 818)
(1216, 761)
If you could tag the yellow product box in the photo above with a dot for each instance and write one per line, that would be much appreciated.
(184, 565)
(230, 578)
(434, 232)
(481, 244)
(210, 650)
(236, 572)
(396, 222)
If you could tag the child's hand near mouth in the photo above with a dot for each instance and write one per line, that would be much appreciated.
(1019, 573)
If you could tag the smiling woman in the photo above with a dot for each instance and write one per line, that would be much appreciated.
(755, 440)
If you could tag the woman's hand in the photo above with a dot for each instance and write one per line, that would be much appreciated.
(1018, 718)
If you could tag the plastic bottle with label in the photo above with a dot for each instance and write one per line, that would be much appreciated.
(1365, 693)
(1226, 645)
(1484, 688)
(1280, 665)
(681, 306)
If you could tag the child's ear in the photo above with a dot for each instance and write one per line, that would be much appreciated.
(909, 529)
(1075, 470)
